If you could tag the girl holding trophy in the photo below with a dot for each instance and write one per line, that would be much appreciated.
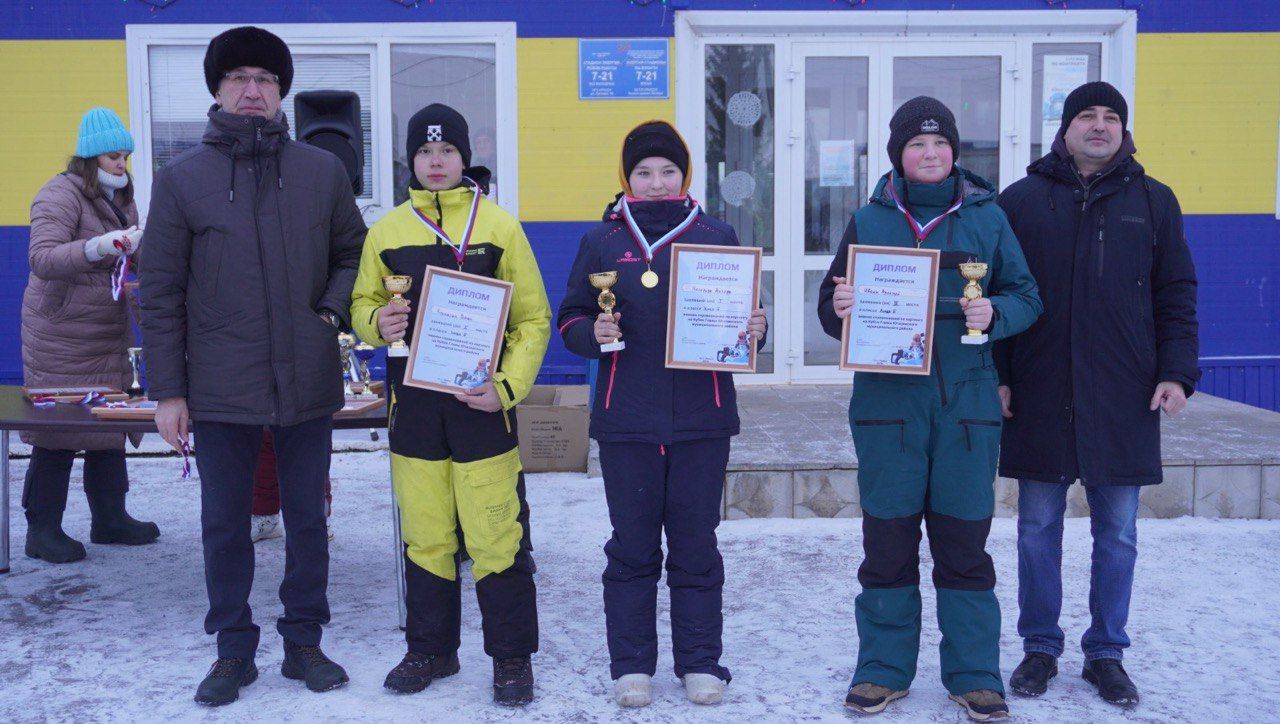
(454, 458)
(663, 433)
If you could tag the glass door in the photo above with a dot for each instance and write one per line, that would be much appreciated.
(739, 159)
(974, 80)
(832, 121)
(848, 94)
(793, 132)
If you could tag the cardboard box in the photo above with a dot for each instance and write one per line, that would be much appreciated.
(552, 426)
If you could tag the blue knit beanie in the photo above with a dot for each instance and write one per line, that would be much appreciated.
(101, 131)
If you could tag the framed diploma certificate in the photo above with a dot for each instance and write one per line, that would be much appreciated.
(713, 292)
(890, 328)
(457, 334)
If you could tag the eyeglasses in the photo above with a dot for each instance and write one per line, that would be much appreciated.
(238, 79)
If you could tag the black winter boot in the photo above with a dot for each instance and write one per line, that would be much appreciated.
(222, 684)
(1112, 681)
(47, 541)
(416, 671)
(1031, 678)
(309, 664)
(113, 524)
(513, 681)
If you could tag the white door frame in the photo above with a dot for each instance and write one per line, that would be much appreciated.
(879, 35)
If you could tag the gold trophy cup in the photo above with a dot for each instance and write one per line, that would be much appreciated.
(398, 285)
(607, 301)
(135, 361)
(974, 271)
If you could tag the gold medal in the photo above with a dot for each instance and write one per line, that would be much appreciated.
(649, 279)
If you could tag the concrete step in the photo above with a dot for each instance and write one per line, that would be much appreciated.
(795, 459)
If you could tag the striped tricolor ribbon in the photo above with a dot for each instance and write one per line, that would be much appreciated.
(922, 232)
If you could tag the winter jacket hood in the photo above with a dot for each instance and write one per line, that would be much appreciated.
(1119, 290)
(400, 243)
(637, 399)
(250, 235)
(73, 332)
(977, 230)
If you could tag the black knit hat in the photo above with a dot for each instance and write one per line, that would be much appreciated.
(249, 46)
(1097, 93)
(438, 122)
(919, 115)
(654, 138)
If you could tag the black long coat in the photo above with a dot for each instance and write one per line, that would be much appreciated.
(1119, 292)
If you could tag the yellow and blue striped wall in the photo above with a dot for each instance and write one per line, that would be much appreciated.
(1207, 106)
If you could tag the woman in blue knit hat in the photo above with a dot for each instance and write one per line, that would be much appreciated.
(75, 333)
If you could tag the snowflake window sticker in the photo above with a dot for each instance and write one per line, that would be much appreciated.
(737, 187)
(744, 108)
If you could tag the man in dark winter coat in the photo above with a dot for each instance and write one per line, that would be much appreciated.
(253, 241)
(1083, 387)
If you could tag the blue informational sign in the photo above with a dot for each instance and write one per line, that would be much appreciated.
(623, 69)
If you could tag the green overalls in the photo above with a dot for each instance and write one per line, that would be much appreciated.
(927, 446)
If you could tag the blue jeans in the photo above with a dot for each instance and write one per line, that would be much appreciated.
(1113, 520)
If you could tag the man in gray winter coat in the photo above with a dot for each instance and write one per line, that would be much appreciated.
(253, 241)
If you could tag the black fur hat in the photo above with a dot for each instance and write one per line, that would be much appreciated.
(249, 46)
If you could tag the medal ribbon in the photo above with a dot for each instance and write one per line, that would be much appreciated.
(117, 272)
(186, 460)
(459, 251)
(921, 232)
(92, 398)
(43, 400)
(650, 249)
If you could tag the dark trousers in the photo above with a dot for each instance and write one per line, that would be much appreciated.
(652, 488)
(226, 456)
(44, 493)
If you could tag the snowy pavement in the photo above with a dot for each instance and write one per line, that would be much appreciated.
(118, 637)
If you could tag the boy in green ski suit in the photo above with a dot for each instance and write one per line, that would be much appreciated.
(927, 445)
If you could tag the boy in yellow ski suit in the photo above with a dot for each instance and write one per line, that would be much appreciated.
(454, 458)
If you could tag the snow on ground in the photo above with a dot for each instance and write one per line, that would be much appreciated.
(119, 637)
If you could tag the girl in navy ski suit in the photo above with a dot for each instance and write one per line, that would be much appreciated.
(663, 433)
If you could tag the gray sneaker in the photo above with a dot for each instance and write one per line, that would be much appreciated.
(869, 698)
(983, 705)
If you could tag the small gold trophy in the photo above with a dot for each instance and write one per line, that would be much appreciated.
(135, 361)
(603, 281)
(974, 271)
(398, 285)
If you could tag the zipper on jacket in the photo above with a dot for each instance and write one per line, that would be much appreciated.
(942, 383)
(967, 424)
(902, 429)
(1101, 248)
(262, 258)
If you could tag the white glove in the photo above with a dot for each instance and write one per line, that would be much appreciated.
(100, 247)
